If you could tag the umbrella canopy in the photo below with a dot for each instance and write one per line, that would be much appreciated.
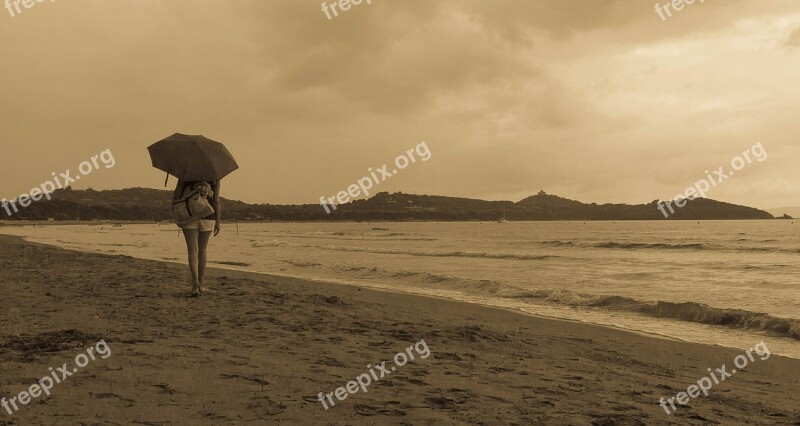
(192, 157)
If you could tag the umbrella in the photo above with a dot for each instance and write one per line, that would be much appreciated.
(192, 157)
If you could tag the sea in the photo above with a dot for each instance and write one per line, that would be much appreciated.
(726, 283)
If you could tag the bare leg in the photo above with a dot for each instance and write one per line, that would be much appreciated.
(191, 236)
(202, 258)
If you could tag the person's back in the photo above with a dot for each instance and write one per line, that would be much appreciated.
(206, 189)
(198, 231)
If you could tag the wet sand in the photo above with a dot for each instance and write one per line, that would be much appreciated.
(259, 349)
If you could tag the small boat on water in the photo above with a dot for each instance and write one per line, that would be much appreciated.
(503, 219)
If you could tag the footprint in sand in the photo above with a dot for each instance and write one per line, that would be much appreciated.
(369, 410)
(120, 400)
(447, 356)
(165, 389)
(441, 402)
(264, 407)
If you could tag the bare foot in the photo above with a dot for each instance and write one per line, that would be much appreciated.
(202, 290)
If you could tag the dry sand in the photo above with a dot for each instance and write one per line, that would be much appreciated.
(258, 349)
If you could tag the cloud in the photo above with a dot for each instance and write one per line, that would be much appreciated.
(595, 100)
(794, 38)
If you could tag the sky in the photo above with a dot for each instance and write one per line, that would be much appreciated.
(594, 101)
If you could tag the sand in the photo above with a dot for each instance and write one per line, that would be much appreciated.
(259, 349)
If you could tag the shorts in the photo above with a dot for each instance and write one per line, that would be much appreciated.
(203, 225)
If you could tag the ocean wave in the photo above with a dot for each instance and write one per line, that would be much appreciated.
(421, 276)
(557, 243)
(273, 243)
(468, 286)
(410, 252)
(760, 249)
(385, 237)
(615, 245)
(684, 311)
(302, 264)
(229, 263)
(139, 245)
(367, 236)
(760, 267)
(674, 246)
(454, 253)
(629, 246)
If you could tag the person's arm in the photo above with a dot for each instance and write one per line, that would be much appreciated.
(178, 190)
(217, 209)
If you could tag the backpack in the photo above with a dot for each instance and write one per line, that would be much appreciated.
(192, 206)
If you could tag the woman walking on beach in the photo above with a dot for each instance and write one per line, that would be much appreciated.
(199, 163)
(197, 232)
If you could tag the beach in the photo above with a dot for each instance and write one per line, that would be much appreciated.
(613, 274)
(259, 349)
(412, 213)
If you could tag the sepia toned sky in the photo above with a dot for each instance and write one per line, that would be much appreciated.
(594, 101)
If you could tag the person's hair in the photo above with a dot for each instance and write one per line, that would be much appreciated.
(189, 183)
(180, 190)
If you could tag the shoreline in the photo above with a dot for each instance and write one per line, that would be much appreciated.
(25, 222)
(260, 347)
(727, 342)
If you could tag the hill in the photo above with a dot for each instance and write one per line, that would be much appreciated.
(789, 211)
(154, 205)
